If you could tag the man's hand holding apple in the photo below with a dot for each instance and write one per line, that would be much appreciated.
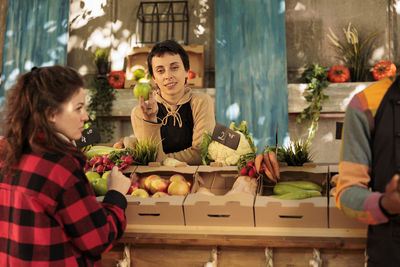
(149, 108)
(145, 94)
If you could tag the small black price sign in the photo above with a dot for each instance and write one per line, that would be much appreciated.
(226, 136)
(89, 136)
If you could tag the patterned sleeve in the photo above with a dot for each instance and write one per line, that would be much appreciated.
(91, 226)
(353, 196)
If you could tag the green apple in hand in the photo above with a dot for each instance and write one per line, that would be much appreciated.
(92, 176)
(105, 175)
(142, 89)
(100, 187)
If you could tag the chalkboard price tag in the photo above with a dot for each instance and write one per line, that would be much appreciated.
(89, 136)
(226, 136)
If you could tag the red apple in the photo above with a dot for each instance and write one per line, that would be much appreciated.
(141, 182)
(178, 188)
(176, 177)
(149, 179)
(158, 185)
(160, 194)
(140, 193)
(133, 187)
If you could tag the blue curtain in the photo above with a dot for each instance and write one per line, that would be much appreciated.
(250, 64)
(36, 35)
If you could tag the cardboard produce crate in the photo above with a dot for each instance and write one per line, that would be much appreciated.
(221, 209)
(336, 218)
(310, 212)
(138, 59)
(163, 210)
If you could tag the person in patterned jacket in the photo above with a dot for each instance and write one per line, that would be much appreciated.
(368, 181)
(49, 215)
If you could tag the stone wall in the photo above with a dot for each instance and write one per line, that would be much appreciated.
(112, 23)
(308, 22)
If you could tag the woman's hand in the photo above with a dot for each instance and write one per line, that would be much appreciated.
(117, 181)
(391, 199)
(149, 108)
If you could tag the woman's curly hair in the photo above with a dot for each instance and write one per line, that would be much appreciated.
(26, 125)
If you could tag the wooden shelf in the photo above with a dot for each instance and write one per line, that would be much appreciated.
(245, 237)
(339, 96)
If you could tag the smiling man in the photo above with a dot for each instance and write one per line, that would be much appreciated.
(173, 113)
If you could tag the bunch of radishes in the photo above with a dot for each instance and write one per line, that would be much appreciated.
(249, 170)
(104, 163)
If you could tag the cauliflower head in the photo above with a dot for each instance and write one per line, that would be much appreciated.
(227, 156)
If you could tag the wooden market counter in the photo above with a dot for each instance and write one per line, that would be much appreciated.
(159, 245)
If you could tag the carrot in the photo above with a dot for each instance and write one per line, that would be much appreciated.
(268, 164)
(274, 163)
(268, 173)
(257, 162)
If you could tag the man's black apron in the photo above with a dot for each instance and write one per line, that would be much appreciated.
(383, 244)
(175, 138)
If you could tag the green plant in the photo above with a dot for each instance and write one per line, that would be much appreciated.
(315, 76)
(146, 151)
(296, 153)
(355, 52)
(101, 55)
(100, 105)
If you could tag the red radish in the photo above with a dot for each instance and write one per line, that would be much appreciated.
(252, 173)
(129, 160)
(244, 171)
(92, 161)
(100, 168)
(99, 160)
(250, 164)
(106, 161)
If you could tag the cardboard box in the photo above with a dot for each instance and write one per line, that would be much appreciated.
(310, 212)
(158, 211)
(138, 59)
(221, 209)
(336, 218)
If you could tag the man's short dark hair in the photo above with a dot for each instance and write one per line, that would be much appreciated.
(171, 47)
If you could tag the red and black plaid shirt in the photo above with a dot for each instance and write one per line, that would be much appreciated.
(49, 215)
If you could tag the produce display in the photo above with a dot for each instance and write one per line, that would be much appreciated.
(103, 158)
(213, 151)
(127, 151)
(155, 186)
(294, 190)
(263, 164)
(383, 69)
(228, 190)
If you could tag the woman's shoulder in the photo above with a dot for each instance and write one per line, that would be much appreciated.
(198, 97)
